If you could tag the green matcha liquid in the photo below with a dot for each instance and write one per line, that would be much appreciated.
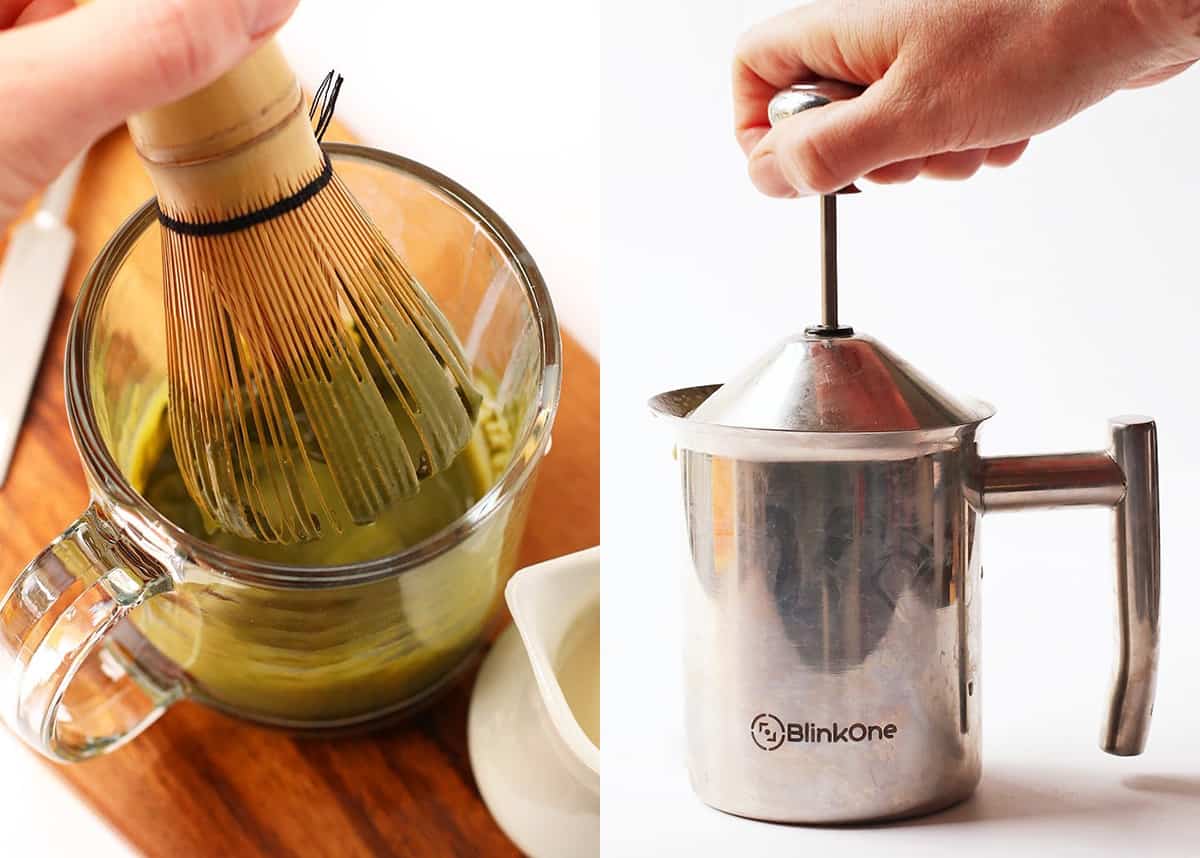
(442, 499)
(330, 656)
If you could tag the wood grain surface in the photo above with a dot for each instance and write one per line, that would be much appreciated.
(202, 784)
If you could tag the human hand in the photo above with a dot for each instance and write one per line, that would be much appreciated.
(68, 75)
(952, 85)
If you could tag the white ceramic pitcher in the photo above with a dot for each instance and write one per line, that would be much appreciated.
(533, 728)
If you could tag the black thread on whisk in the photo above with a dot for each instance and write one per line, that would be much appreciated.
(325, 101)
(254, 218)
(323, 104)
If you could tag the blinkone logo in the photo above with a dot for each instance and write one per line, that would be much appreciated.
(770, 733)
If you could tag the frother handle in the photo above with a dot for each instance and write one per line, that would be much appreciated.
(1126, 479)
(1131, 701)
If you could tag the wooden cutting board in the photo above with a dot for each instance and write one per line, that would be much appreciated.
(202, 784)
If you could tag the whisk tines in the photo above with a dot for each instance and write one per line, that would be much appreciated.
(312, 381)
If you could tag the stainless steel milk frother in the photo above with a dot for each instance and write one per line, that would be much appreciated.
(832, 496)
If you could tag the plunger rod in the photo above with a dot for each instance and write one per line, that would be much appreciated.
(829, 276)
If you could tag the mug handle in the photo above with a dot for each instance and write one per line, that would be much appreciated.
(1125, 477)
(64, 693)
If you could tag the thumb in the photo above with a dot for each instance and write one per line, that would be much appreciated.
(824, 149)
(73, 77)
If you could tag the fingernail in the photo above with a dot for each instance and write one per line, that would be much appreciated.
(266, 15)
(767, 176)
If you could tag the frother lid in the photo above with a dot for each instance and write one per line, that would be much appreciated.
(829, 379)
(813, 382)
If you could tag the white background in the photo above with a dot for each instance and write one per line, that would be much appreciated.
(1062, 290)
(483, 92)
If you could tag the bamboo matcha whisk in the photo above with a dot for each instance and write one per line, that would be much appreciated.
(312, 381)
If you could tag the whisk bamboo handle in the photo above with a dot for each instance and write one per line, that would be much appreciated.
(258, 95)
(245, 179)
(250, 101)
(237, 145)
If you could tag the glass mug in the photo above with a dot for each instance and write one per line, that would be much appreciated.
(126, 613)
